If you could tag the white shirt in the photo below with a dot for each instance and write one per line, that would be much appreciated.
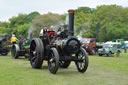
(42, 31)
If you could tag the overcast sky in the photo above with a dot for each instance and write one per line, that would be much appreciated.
(9, 8)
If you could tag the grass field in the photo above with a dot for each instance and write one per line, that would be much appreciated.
(101, 71)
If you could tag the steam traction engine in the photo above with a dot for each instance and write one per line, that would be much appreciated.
(59, 50)
(20, 49)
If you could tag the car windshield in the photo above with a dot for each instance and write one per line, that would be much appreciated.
(107, 45)
(86, 41)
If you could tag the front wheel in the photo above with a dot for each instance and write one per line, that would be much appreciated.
(82, 65)
(109, 54)
(53, 61)
(15, 51)
(100, 54)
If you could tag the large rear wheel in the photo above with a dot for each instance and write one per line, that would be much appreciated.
(82, 65)
(53, 62)
(36, 53)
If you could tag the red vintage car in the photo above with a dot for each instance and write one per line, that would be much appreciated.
(90, 45)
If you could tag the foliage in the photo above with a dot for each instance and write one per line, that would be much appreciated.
(32, 15)
(46, 19)
(22, 30)
(106, 22)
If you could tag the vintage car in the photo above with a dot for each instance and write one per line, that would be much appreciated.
(90, 45)
(121, 41)
(4, 49)
(109, 49)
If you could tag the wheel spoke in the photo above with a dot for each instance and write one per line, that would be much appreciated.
(53, 62)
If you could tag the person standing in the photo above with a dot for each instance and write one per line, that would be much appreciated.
(43, 31)
(13, 39)
(51, 28)
(21, 38)
(125, 48)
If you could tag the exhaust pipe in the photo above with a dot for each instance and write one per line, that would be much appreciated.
(71, 22)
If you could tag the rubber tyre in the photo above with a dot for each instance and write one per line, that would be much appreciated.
(64, 64)
(15, 51)
(78, 64)
(53, 56)
(36, 53)
(109, 54)
(100, 54)
(4, 54)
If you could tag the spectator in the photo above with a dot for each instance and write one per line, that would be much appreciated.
(21, 38)
(13, 39)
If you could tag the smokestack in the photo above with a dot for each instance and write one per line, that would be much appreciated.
(71, 22)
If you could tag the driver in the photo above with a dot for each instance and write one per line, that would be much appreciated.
(43, 31)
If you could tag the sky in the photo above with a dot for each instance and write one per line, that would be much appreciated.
(9, 8)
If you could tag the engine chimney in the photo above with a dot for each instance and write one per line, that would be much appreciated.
(71, 22)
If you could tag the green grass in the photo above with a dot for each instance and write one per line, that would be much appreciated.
(101, 71)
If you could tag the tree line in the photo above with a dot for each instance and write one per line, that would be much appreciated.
(105, 22)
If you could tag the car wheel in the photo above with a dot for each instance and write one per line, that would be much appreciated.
(109, 54)
(100, 54)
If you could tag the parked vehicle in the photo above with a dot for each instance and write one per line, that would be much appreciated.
(99, 45)
(121, 41)
(109, 49)
(90, 45)
(4, 49)
(126, 42)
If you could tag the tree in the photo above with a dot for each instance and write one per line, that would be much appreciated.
(106, 16)
(45, 19)
(21, 19)
(22, 30)
(83, 20)
(32, 15)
